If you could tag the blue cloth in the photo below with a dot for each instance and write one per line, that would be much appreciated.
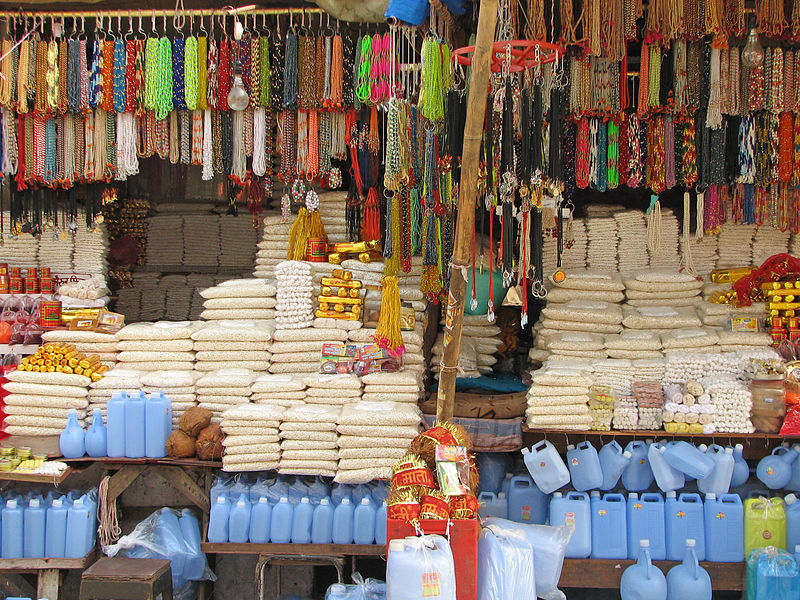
(503, 383)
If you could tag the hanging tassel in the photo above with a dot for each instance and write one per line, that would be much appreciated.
(653, 218)
(298, 235)
(371, 226)
(387, 333)
(699, 229)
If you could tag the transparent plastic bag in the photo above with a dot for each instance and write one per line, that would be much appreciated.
(505, 565)
(549, 546)
(360, 589)
(772, 574)
(160, 536)
(421, 567)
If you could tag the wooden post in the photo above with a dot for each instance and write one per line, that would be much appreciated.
(468, 191)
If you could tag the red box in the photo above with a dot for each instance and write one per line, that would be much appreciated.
(463, 543)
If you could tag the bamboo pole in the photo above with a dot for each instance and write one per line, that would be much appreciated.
(468, 192)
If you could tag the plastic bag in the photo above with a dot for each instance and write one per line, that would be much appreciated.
(764, 523)
(505, 565)
(160, 536)
(420, 567)
(772, 574)
(361, 589)
(549, 546)
(791, 422)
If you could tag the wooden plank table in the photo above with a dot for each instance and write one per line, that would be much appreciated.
(594, 573)
(295, 549)
(49, 571)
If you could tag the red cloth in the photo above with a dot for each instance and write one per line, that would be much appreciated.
(774, 268)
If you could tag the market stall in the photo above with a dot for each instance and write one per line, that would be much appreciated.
(507, 287)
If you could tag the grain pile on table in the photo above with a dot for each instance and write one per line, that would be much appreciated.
(220, 390)
(601, 253)
(332, 390)
(91, 248)
(616, 374)
(160, 346)
(703, 251)
(281, 390)
(252, 442)
(297, 351)
(767, 241)
(373, 435)
(21, 250)
(662, 287)
(118, 379)
(40, 406)
(104, 345)
(632, 233)
(404, 386)
(309, 458)
(244, 344)
(735, 245)
(239, 299)
(633, 344)
(665, 253)
(294, 307)
(178, 386)
(558, 399)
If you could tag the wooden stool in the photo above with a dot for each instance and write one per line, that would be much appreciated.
(128, 578)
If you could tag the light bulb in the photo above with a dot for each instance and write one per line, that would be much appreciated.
(753, 53)
(237, 97)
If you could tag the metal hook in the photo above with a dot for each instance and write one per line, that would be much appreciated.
(153, 24)
(164, 24)
(203, 25)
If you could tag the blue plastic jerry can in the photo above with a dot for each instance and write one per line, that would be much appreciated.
(643, 580)
(646, 522)
(723, 519)
(526, 502)
(613, 462)
(584, 467)
(688, 579)
(609, 527)
(637, 476)
(573, 509)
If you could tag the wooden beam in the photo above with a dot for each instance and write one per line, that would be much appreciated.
(122, 479)
(49, 584)
(14, 585)
(178, 478)
(468, 193)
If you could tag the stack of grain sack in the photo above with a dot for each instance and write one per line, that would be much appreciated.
(373, 435)
(239, 299)
(160, 346)
(273, 247)
(251, 439)
(38, 403)
(332, 390)
(280, 390)
(178, 386)
(103, 345)
(558, 399)
(664, 252)
(585, 302)
(222, 344)
(298, 351)
(480, 340)
(220, 390)
(310, 460)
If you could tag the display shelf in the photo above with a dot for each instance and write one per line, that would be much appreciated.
(756, 445)
(296, 549)
(37, 478)
(178, 462)
(596, 573)
(19, 348)
(29, 565)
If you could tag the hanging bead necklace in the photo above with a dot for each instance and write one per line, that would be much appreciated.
(52, 77)
(202, 74)
(165, 86)
(212, 75)
(178, 74)
(151, 79)
(190, 73)
(265, 70)
(224, 75)
(290, 67)
(255, 70)
(120, 81)
(107, 75)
